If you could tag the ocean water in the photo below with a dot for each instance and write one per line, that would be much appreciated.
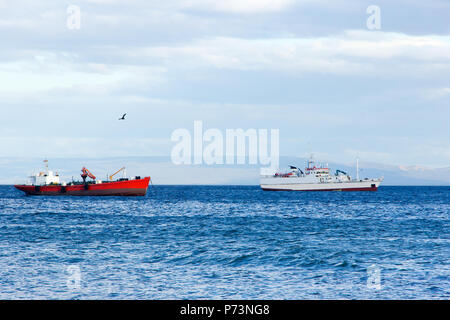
(227, 242)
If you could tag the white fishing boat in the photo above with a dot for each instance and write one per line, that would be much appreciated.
(316, 178)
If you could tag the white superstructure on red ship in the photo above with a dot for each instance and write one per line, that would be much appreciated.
(316, 178)
(44, 177)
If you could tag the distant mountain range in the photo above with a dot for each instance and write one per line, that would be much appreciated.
(162, 170)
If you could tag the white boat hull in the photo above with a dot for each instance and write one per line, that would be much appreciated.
(363, 185)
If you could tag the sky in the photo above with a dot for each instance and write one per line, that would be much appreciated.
(311, 69)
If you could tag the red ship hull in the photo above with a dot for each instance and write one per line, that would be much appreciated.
(137, 187)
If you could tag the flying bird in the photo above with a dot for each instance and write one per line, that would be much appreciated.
(123, 117)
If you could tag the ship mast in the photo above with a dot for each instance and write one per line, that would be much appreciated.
(357, 168)
(310, 160)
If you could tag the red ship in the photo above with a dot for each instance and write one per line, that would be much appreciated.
(47, 183)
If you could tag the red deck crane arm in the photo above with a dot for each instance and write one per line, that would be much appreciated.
(87, 173)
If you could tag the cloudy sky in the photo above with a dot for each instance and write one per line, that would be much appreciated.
(310, 68)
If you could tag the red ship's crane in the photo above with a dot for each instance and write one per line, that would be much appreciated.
(86, 173)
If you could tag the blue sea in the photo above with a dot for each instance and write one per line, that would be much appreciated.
(227, 242)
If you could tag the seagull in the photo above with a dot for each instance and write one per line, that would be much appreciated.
(123, 117)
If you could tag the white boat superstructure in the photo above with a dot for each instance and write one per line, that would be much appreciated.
(45, 177)
(316, 178)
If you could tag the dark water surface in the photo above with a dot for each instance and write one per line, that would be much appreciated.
(227, 242)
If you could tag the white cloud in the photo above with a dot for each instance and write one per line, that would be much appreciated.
(239, 6)
(437, 93)
(353, 52)
(362, 53)
(47, 71)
